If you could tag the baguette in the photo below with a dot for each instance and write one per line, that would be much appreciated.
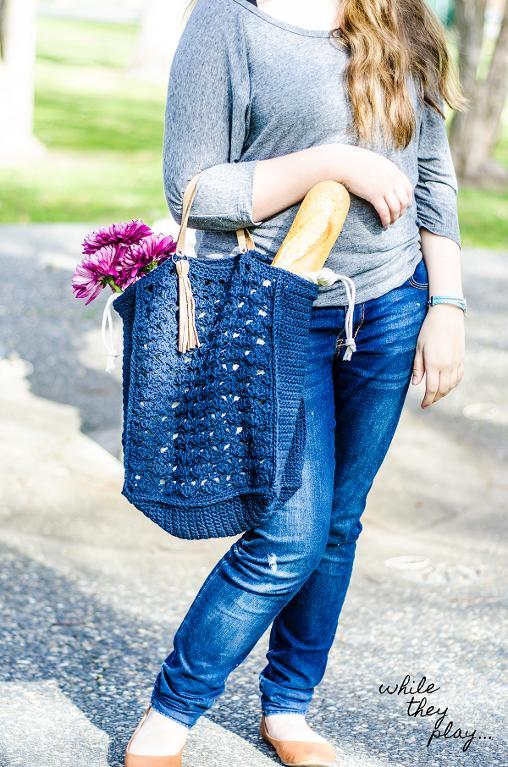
(315, 228)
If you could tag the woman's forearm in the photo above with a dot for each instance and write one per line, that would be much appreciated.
(443, 261)
(441, 342)
(281, 182)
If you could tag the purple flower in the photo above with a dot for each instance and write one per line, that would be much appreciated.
(117, 256)
(101, 268)
(145, 256)
(117, 234)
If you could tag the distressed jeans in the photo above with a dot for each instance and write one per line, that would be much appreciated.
(293, 570)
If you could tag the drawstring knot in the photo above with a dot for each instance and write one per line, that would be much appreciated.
(326, 276)
(350, 343)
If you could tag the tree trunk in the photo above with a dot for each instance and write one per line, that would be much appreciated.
(17, 64)
(470, 21)
(475, 132)
(494, 95)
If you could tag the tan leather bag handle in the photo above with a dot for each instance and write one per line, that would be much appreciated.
(244, 237)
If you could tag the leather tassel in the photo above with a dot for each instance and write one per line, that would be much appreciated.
(187, 333)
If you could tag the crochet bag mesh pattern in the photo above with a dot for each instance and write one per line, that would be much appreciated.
(213, 437)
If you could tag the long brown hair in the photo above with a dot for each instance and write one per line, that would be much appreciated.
(389, 40)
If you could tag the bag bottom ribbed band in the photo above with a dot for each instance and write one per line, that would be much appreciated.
(218, 520)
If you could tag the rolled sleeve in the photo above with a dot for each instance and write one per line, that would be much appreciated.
(436, 189)
(205, 124)
(224, 197)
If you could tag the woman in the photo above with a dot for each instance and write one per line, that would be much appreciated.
(267, 101)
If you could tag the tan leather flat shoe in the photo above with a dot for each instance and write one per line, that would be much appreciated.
(299, 753)
(140, 760)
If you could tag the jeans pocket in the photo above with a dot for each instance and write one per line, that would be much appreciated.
(420, 278)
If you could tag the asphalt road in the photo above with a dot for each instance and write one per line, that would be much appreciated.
(92, 592)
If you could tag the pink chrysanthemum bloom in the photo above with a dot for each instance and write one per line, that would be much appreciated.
(128, 233)
(97, 270)
(145, 256)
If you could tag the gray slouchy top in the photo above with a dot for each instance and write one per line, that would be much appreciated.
(245, 86)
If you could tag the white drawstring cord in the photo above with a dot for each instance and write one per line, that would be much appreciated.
(326, 276)
(108, 340)
(350, 342)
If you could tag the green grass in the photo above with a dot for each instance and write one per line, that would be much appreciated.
(97, 110)
(484, 212)
(483, 218)
(98, 188)
(102, 128)
(84, 43)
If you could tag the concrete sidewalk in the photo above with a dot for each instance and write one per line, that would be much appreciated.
(92, 592)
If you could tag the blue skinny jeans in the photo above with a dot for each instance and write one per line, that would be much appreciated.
(293, 570)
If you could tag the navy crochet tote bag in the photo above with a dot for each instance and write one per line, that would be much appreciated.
(213, 436)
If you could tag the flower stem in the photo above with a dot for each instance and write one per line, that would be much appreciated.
(112, 284)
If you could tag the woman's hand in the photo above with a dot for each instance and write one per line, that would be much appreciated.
(440, 352)
(376, 179)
